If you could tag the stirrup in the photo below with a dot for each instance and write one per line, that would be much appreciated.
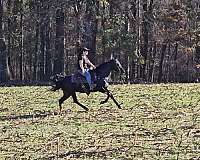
(86, 90)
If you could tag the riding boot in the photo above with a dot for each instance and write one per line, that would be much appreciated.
(87, 89)
(88, 92)
(92, 86)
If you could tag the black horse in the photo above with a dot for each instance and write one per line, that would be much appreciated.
(76, 82)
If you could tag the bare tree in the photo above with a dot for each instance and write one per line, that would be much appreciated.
(3, 65)
(59, 43)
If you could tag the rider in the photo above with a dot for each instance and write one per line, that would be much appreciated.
(84, 65)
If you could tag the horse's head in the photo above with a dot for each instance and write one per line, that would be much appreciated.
(117, 66)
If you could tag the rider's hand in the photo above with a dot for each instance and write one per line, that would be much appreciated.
(92, 67)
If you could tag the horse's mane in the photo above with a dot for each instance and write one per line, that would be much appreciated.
(102, 65)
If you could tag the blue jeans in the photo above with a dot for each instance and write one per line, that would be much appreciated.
(88, 77)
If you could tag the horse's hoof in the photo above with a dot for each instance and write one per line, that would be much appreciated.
(56, 113)
(119, 107)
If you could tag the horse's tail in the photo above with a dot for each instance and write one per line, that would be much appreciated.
(57, 80)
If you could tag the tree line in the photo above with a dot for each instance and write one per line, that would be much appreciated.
(155, 40)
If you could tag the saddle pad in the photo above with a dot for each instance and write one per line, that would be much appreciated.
(77, 78)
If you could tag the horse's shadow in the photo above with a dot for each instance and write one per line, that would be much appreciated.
(35, 114)
(79, 154)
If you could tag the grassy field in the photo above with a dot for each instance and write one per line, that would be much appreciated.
(156, 122)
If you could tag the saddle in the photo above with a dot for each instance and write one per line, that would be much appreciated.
(78, 78)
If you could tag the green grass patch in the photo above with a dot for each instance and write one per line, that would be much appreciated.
(156, 122)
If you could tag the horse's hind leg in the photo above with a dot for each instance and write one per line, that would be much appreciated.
(62, 99)
(76, 101)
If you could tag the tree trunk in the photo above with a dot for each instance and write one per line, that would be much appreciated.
(133, 30)
(42, 52)
(77, 10)
(145, 33)
(175, 63)
(138, 32)
(10, 73)
(3, 65)
(90, 29)
(168, 63)
(152, 65)
(48, 65)
(21, 60)
(103, 20)
(41, 60)
(59, 44)
(37, 30)
(160, 75)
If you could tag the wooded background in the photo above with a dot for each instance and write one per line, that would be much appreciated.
(155, 40)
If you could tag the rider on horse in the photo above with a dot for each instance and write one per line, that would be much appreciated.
(84, 65)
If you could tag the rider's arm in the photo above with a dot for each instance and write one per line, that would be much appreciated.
(81, 66)
(90, 63)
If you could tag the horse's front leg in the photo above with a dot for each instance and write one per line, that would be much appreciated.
(106, 100)
(76, 101)
(112, 97)
(109, 95)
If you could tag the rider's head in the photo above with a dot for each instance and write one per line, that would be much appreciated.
(85, 51)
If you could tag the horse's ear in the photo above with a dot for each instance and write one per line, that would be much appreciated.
(113, 56)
